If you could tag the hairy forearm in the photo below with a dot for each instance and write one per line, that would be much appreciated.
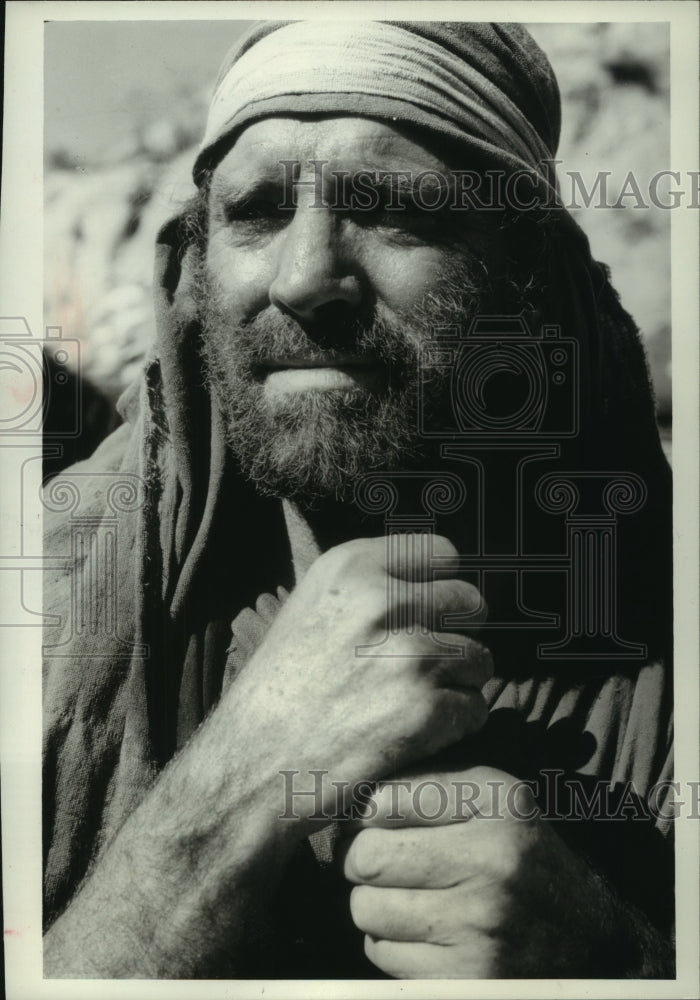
(182, 889)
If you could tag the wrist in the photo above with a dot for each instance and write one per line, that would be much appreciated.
(183, 887)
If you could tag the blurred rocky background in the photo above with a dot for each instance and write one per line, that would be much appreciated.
(125, 107)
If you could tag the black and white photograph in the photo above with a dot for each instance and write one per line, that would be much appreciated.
(349, 586)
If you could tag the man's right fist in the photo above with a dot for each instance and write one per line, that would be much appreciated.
(360, 675)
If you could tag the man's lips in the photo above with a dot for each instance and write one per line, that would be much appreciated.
(335, 361)
(295, 374)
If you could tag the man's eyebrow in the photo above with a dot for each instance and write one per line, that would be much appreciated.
(406, 187)
(243, 185)
(396, 188)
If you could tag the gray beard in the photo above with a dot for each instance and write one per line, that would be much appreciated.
(315, 446)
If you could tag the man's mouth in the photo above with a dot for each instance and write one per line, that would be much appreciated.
(326, 361)
(295, 374)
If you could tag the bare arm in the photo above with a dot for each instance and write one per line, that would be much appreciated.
(184, 887)
(186, 880)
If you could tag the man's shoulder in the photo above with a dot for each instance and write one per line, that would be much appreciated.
(85, 491)
(110, 457)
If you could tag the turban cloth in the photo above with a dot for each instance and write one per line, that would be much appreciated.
(487, 84)
(203, 546)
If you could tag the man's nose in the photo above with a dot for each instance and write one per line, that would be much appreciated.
(314, 266)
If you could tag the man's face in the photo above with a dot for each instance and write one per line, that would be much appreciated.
(314, 313)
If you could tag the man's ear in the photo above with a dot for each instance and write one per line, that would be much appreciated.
(177, 346)
(176, 270)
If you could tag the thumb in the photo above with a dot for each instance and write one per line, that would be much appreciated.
(436, 798)
(412, 555)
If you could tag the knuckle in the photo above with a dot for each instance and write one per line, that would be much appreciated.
(379, 952)
(372, 949)
(482, 773)
(478, 665)
(474, 712)
(476, 662)
(426, 726)
(457, 604)
(506, 862)
(509, 862)
(362, 908)
(443, 546)
(470, 596)
(346, 557)
(362, 862)
(415, 648)
(487, 663)
(475, 604)
(444, 719)
(523, 803)
(336, 558)
(489, 911)
(420, 713)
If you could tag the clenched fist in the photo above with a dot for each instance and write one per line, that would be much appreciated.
(361, 673)
(458, 876)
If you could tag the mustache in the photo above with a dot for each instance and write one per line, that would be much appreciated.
(392, 341)
(272, 335)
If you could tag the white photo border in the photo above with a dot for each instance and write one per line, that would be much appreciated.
(21, 291)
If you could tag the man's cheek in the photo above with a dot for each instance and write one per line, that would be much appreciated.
(403, 276)
(238, 283)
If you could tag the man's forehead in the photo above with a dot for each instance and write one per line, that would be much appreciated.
(347, 142)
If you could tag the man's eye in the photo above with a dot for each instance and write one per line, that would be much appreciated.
(262, 211)
(410, 221)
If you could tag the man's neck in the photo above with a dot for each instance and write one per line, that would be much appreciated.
(313, 531)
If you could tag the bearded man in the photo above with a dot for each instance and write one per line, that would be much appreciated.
(186, 831)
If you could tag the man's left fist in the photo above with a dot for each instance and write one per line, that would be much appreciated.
(462, 878)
